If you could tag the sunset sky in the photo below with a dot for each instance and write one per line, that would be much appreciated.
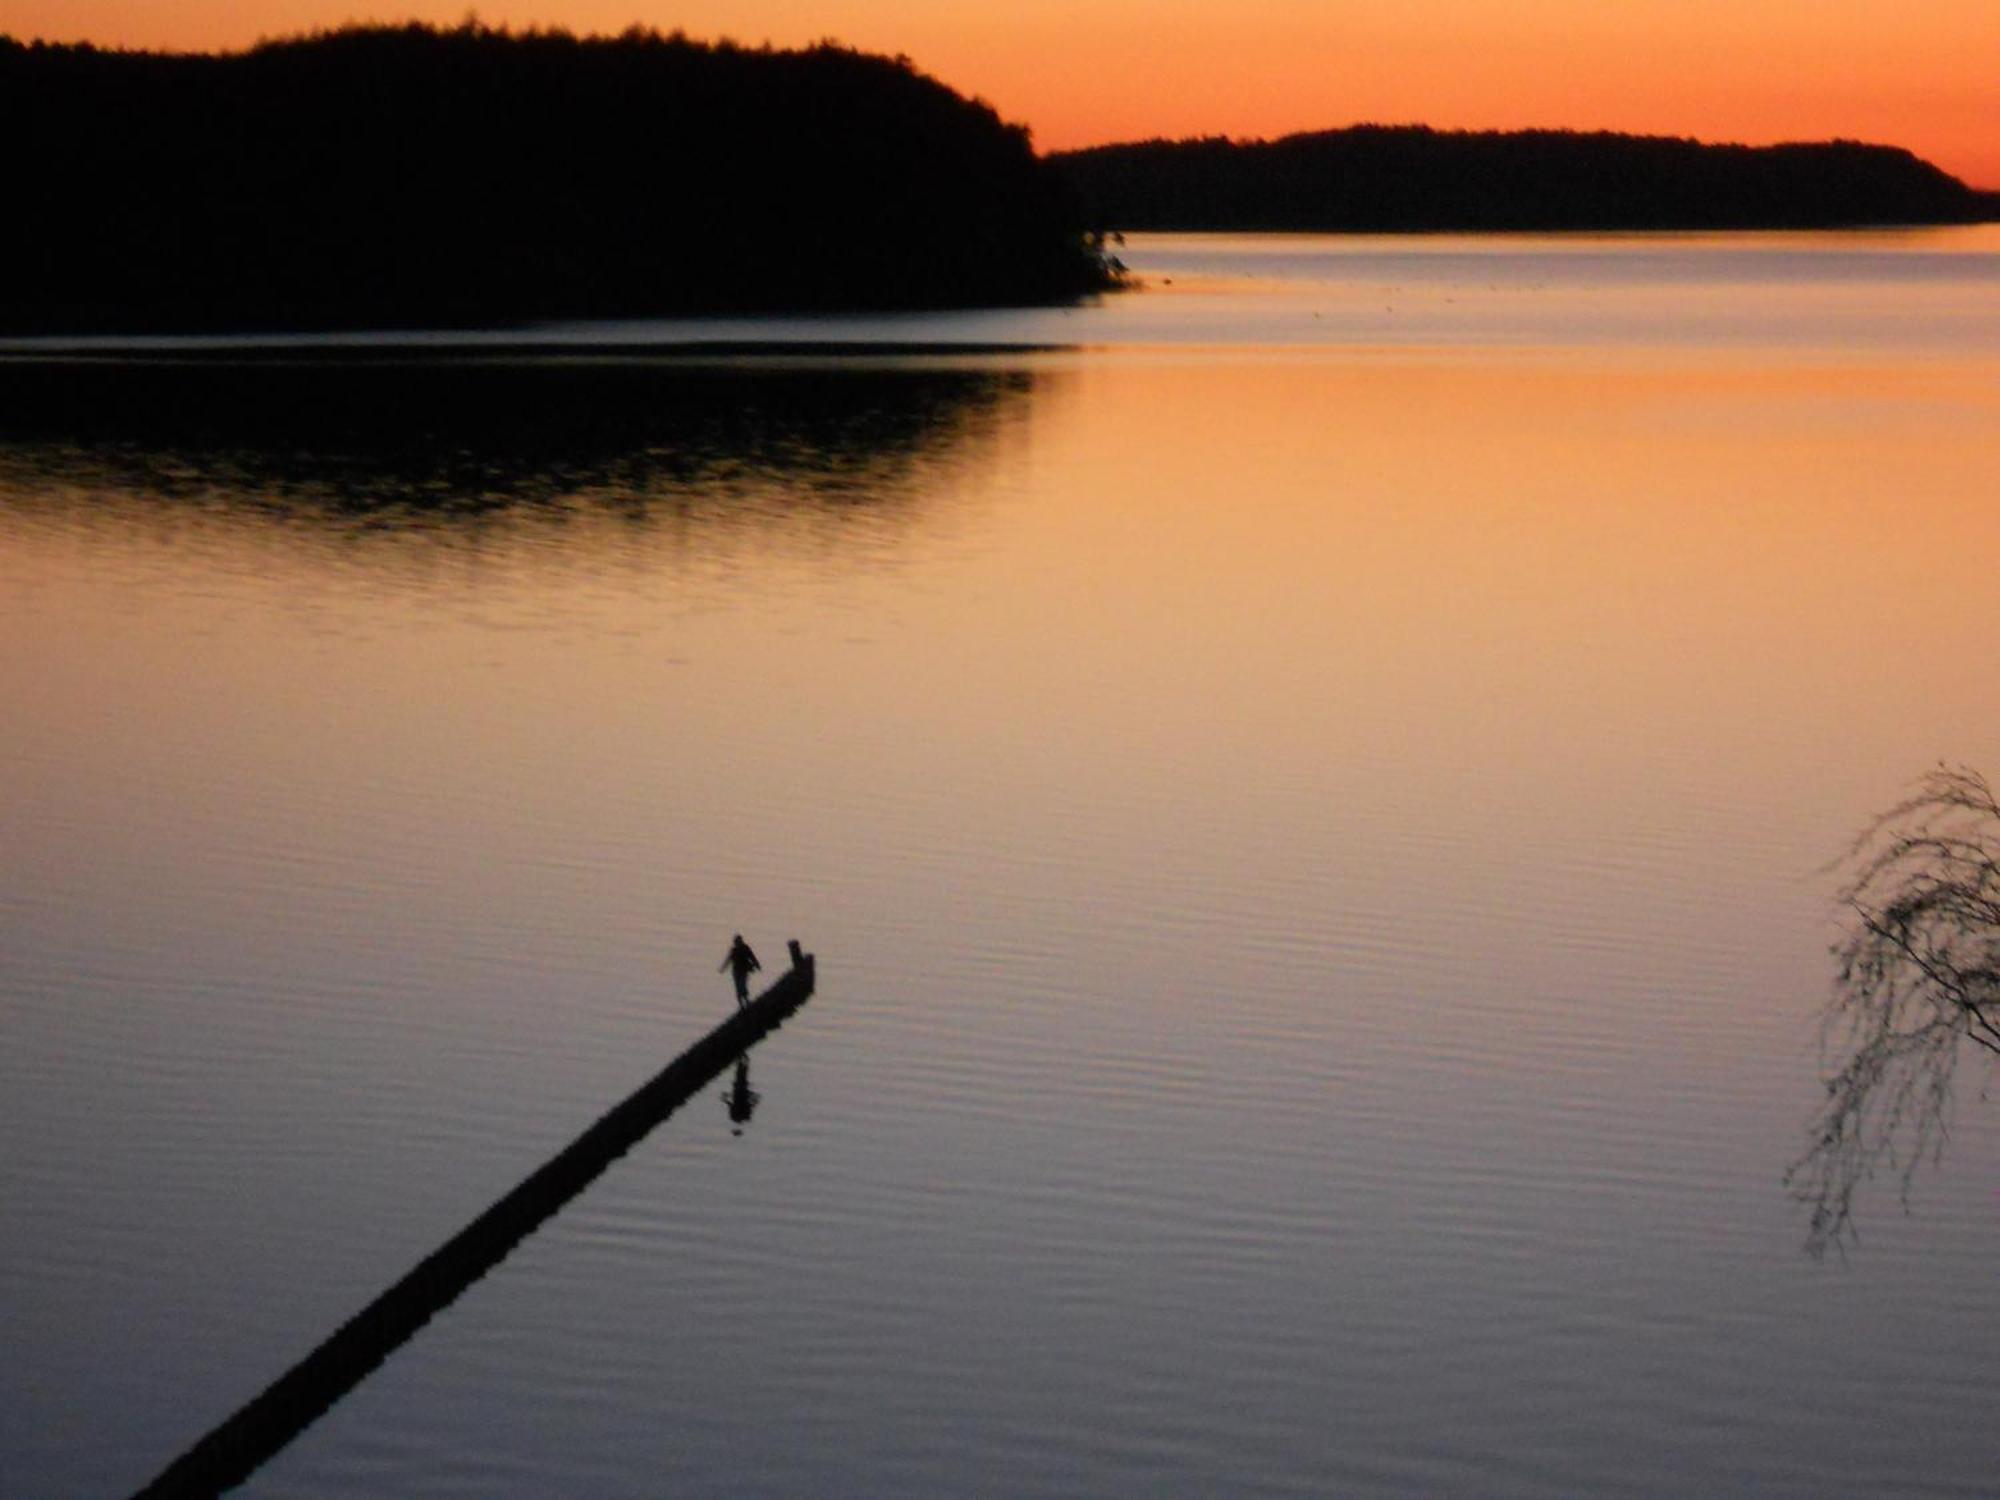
(1924, 75)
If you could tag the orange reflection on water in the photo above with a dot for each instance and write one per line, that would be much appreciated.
(1179, 644)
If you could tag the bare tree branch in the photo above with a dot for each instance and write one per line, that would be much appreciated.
(1918, 974)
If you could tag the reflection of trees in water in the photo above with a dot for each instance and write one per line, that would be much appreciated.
(1919, 976)
(359, 447)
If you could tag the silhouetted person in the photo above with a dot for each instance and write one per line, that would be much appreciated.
(741, 964)
(741, 1098)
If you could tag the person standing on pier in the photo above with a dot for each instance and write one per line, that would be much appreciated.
(741, 964)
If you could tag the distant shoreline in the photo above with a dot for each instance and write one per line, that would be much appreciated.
(1413, 179)
(378, 177)
(970, 335)
(383, 179)
(393, 350)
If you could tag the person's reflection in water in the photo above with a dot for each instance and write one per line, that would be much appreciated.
(741, 1099)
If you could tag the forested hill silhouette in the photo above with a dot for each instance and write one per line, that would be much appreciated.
(1375, 177)
(410, 176)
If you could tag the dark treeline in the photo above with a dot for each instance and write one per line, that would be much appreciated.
(410, 176)
(1375, 177)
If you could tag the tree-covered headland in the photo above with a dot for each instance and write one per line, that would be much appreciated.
(1395, 178)
(410, 176)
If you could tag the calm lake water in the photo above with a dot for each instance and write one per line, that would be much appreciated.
(1311, 786)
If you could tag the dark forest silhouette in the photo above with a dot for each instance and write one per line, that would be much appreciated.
(409, 176)
(1391, 178)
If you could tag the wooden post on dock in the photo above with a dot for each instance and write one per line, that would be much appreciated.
(291, 1403)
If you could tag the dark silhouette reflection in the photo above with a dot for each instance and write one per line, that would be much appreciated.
(741, 1099)
(356, 447)
(291, 1403)
(1918, 979)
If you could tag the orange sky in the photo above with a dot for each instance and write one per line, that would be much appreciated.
(1924, 75)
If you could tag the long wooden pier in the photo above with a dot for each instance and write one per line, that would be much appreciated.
(286, 1407)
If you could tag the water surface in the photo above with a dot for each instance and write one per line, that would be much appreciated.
(1315, 842)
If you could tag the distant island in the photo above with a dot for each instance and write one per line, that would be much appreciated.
(409, 176)
(1410, 178)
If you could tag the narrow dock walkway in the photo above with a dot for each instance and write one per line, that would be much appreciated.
(290, 1404)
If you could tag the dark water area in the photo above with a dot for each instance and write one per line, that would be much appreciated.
(369, 440)
(1321, 854)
